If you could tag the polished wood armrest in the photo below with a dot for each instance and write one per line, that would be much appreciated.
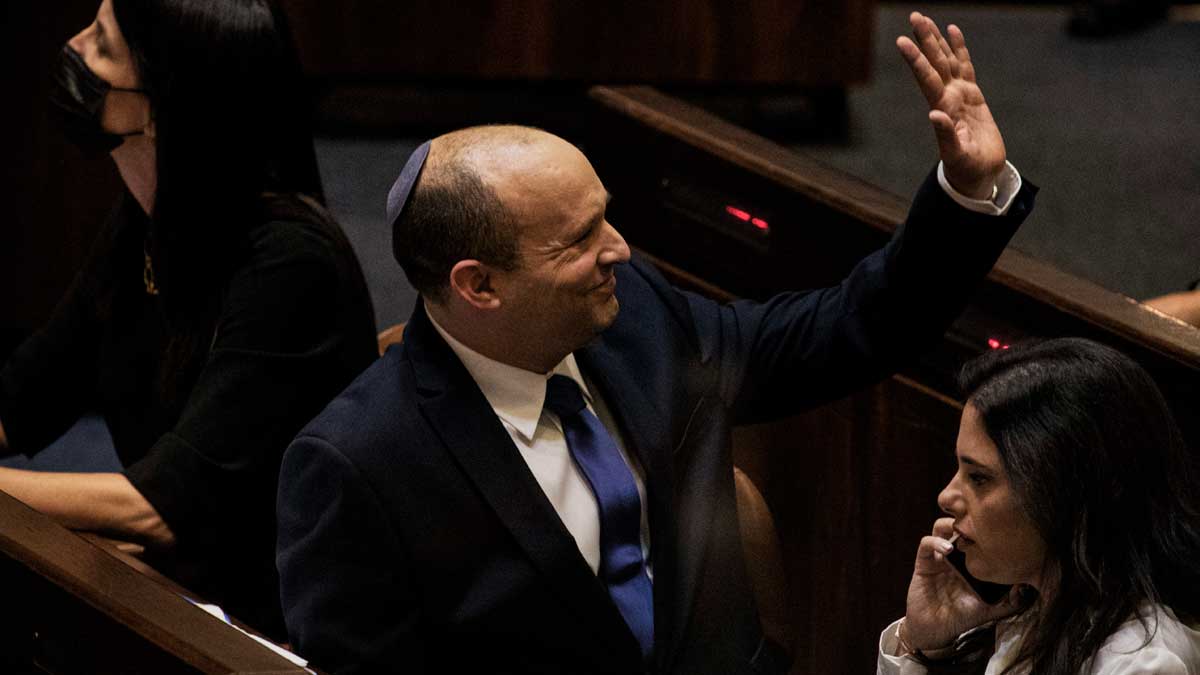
(124, 549)
(83, 605)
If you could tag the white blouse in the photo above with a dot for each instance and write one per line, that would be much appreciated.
(1173, 650)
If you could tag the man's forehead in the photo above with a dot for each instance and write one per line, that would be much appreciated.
(548, 173)
(545, 183)
(557, 220)
(493, 147)
(534, 162)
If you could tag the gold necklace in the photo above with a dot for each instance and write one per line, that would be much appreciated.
(148, 270)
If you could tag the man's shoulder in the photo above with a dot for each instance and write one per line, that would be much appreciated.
(642, 288)
(651, 306)
(380, 403)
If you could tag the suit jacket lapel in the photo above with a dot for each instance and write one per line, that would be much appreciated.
(456, 408)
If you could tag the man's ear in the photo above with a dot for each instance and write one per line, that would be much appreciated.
(471, 280)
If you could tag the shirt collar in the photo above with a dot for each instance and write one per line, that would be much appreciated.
(515, 394)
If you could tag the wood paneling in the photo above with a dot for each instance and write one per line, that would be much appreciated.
(790, 42)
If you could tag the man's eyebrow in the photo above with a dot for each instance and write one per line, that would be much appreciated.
(590, 224)
(599, 215)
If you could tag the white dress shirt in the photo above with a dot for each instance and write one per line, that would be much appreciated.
(517, 397)
(1174, 649)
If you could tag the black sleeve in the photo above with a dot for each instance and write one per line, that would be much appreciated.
(798, 350)
(49, 381)
(348, 599)
(294, 330)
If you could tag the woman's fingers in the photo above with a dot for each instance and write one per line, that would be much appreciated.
(935, 547)
(943, 527)
(931, 552)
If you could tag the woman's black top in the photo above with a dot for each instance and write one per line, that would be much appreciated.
(294, 327)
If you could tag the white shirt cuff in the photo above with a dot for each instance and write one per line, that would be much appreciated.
(1007, 186)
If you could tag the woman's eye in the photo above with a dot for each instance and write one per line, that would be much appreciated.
(977, 478)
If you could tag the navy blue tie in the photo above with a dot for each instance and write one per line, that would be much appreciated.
(622, 568)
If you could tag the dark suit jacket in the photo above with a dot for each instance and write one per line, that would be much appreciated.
(413, 537)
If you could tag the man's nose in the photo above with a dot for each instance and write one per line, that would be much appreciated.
(615, 250)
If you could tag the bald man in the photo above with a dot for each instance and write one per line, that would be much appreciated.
(539, 480)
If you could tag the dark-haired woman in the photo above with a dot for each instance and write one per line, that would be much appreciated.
(1075, 487)
(220, 307)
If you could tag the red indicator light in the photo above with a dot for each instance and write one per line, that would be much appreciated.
(1004, 347)
(760, 224)
(993, 343)
(737, 213)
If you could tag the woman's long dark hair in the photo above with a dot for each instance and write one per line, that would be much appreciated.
(231, 124)
(1098, 464)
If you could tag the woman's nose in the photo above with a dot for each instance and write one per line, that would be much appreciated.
(78, 41)
(950, 499)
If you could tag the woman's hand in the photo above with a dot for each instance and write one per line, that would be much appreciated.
(941, 605)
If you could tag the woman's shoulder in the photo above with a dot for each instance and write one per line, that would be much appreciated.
(1155, 641)
(296, 228)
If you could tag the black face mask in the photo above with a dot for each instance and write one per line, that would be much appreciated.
(78, 98)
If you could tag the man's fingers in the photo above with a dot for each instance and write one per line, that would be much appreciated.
(951, 59)
(928, 80)
(958, 43)
(930, 42)
(943, 128)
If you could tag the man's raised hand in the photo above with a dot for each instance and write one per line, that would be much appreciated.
(968, 139)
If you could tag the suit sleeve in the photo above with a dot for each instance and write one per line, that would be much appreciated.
(802, 349)
(348, 602)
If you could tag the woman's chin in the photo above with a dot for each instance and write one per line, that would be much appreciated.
(984, 572)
